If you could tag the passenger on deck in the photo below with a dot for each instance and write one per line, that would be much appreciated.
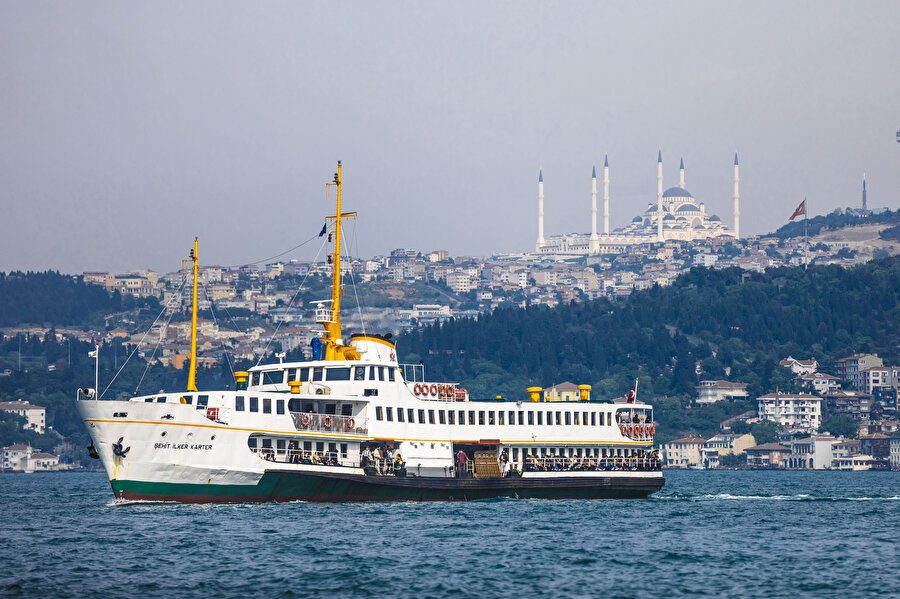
(461, 460)
(292, 455)
(377, 456)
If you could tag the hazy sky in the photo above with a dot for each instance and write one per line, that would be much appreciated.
(128, 128)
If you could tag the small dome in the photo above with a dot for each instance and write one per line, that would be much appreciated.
(715, 218)
(637, 219)
(688, 208)
(668, 217)
(677, 192)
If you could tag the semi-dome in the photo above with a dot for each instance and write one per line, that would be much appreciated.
(668, 217)
(677, 192)
(689, 208)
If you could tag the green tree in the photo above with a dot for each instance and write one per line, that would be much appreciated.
(841, 425)
(765, 431)
(733, 460)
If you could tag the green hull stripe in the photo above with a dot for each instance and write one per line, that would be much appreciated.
(280, 486)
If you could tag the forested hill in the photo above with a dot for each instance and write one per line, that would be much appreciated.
(727, 321)
(832, 221)
(50, 298)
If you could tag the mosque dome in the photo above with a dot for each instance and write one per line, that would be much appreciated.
(677, 192)
(668, 217)
(715, 218)
(688, 208)
(637, 219)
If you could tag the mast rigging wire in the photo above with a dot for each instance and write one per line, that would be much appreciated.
(184, 280)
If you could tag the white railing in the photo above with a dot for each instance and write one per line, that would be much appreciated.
(383, 467)
(324, 315)
(328, 423)
(638, 431)
(576, 464)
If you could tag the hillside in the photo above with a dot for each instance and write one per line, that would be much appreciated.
(834, 222)
(50, 298)
(710, 324)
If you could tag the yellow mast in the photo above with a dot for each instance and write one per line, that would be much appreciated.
(334, 348)
(192, 373)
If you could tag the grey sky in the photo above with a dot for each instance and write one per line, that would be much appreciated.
(127, 128)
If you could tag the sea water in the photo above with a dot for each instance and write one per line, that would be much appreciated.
(707, 533)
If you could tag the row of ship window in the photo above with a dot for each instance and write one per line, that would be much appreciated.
(281, 445)
(320, 373)
(491, 417)
(254, 406)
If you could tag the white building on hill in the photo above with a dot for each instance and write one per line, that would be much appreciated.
(35, 416)
(675, 215)
(801, 412)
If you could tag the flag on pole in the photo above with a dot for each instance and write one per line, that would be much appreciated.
(632, 395)
(801, 209)
(324, 228)
(92, 353)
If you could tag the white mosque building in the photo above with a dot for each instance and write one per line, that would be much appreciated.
(676, 215)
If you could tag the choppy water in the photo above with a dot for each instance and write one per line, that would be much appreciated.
(747, 534)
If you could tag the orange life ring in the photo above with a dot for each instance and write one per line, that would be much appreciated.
(305, 419)
(434, 389)
(326, 421)
(652, 429)
(630, 429)
(623, 428)
(417, 389)
(348, 424)
(641, 429)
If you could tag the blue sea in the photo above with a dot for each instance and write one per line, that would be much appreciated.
(707, 533)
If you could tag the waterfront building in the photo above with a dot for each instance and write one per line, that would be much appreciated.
(769, 455)
(35, 416)
(713, 391)
(724, 444)
(23, 458)
(814, 453)
(683, 453)
(894, 451)
(796, 412)
(876, 445)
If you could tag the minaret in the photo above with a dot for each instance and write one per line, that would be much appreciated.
(593, 207)
(606, 195)
(737, 197)
(540, 240)
(659, 208)
(681, 176)
(864, 193)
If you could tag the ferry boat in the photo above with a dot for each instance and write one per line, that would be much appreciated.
(354, 424)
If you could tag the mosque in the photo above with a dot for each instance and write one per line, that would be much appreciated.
(675, 215)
